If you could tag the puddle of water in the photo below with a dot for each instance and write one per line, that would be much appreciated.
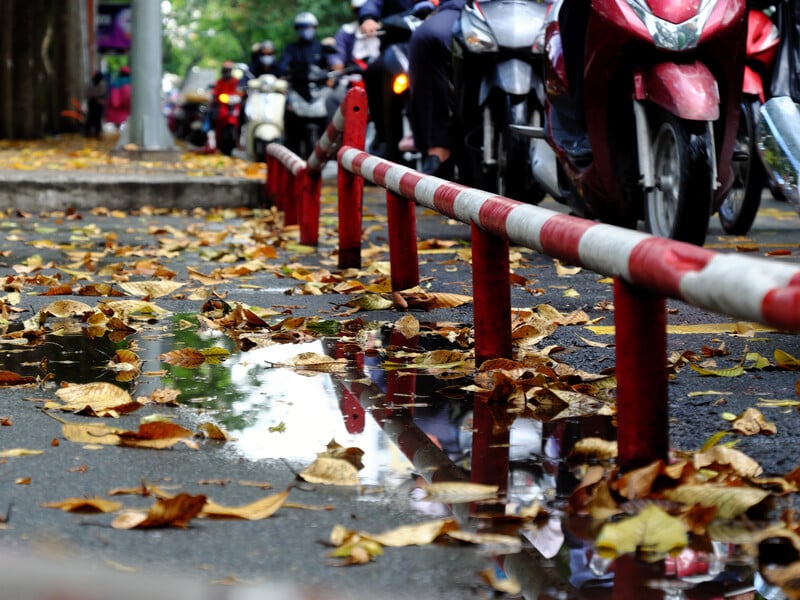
(409, 423)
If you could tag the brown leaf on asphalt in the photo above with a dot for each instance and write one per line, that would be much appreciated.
(85, 505)
(255, 511)
(172, 512)
(91, 433)
(67, 309)
(213, 432)
(318, 363)
(729, 501)
(752, 422)
(407, 326)
(162, 396)
(11, 379)
(184, 357)
(420, 534)
(157, 435)
(99, 399)
(151, 289)
(730, 458)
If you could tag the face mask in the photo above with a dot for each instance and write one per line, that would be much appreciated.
(267, 59)
(307, 33)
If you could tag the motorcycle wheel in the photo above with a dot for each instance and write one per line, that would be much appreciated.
(228, 141)
(679, 206)
(738, 210)
(514, 175)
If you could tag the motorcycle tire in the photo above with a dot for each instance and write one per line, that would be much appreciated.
(738, 210)
(228, 141)
(514, 177)
(679, 206)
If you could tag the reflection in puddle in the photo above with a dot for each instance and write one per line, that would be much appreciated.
(410, 423)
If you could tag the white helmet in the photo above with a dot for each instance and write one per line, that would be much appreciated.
(356, 4)
(305, 19)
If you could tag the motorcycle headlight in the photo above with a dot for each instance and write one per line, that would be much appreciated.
(673, 36)
(477, 35)
(400, 83)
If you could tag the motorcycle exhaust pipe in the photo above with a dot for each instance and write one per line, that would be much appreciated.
(779, 144)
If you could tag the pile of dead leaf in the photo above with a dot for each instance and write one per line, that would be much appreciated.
(76, 153)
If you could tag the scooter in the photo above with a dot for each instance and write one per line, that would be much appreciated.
(264, 110)
(738, 210)
(226, 123)
(778, 127)
(394, 34)
(497, 48)
(653, 136)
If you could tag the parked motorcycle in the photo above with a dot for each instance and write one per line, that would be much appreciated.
(497, 48)
(738, 210)
(778, 127)
(660, 113)
(264, 111)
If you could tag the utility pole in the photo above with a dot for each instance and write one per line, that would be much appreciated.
(145, 135)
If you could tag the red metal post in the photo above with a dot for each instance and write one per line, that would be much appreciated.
(641, 352)
(293, 196)
(350, 186)
(310, 206)
(402, 219)
(491, 290)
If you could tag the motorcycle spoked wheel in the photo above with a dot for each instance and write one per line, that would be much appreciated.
(514, 178)
(679, 206)
(738, 210)
(228, 141)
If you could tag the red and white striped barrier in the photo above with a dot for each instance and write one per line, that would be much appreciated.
(646, 269)
(293, 185)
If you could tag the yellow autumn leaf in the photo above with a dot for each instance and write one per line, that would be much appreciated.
(729, 501)
(66, 309)
(152, 289)
(255, 511)
(89, 433)
(785, 360)
(98, 398)
(215, 355)
(330, 471)
(419, 534)
(652, 531)
(729, 372)
(456, 492)
(85, 505)
(14, 452)
(370, 302)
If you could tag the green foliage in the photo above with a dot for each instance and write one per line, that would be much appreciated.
(208, 32)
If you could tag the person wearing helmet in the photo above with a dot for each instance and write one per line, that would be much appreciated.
(298, 56)
(227, 83)
(352, 45)
(262, 58)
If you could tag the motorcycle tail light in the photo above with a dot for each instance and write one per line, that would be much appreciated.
(400, 84)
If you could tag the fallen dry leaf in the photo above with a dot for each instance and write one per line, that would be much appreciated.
(169, 512)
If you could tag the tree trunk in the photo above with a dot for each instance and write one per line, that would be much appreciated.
(44, 45)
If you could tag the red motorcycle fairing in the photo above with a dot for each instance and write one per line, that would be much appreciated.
(688, 91)
(617, 45)
(762, 46)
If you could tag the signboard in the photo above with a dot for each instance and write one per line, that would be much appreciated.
(113, 28)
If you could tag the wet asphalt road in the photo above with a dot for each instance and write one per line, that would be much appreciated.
(287, 548)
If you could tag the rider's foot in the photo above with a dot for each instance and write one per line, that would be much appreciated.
(437, 163)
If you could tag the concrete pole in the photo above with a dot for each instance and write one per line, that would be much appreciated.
(146, 132)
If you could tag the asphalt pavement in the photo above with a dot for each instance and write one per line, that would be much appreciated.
(55, 228)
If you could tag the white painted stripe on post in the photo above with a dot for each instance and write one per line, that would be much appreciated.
(468, 203)
(524, 225)
(606, 249)
(735, 285)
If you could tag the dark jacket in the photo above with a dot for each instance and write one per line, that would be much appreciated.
(296, 62)
(377, 9)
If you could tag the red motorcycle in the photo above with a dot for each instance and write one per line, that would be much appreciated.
(738, 210)
(227, 122)
(652, 134)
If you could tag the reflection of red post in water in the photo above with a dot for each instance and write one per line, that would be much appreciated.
(631, 578)
(489, 449)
